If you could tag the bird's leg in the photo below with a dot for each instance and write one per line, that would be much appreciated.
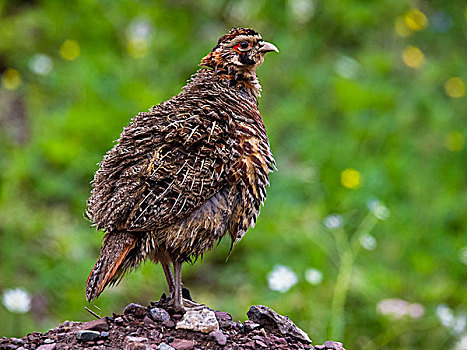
(177, 297)
(169, 277)
(179, 302)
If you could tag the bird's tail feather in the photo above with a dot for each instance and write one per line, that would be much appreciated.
(112, 262)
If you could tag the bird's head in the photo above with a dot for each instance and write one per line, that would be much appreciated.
(240, 51)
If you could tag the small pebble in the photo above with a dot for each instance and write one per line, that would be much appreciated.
(87, 335)
(17, 341)
(47, 347)
(158, 314)
(164, 346)
(135, 310)
(96, 325)
(104, 334)
(219, 337)
(119, 320)
(183, 344)
(136, 339)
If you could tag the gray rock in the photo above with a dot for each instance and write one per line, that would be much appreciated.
(265, 317)
(135, 310)
(164, 346)
(104, 334)
(159, 315)
(219, 337)
(49, 341)
(88, 335)
(203, 320)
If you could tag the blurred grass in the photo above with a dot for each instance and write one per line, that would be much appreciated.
(338, 96)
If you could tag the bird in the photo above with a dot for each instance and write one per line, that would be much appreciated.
(187, 172)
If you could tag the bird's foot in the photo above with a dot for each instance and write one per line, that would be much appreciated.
(191, 305)
(185, 305)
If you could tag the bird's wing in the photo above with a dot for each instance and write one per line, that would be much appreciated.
(165, 165)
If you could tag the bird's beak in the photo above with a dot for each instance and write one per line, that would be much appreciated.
(268, 47)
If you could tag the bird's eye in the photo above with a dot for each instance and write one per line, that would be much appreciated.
(244, 45)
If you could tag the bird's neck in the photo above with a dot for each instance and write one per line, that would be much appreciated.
(240, 78)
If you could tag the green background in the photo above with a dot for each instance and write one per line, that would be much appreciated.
(338, 96)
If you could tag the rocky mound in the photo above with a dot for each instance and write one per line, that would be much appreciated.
(158, 327)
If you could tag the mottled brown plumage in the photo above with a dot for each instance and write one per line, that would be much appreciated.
(187, 172)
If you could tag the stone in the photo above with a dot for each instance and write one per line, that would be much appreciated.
(87, 335)
(183, 344)
(49, 341)
(219, 337)
(148, 321)
(220, 315)
(47, 347)
(135, 310)
(104, 334)
(159, 315)
(203, 320)
(265, 317)
(251, 344)
(329, 345)
(136, 339)
(164, 346)
(137, 346)
(17, 341)
(96, 325)
(119, 320)
(250, 325)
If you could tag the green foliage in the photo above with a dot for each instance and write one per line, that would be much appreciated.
(353, 114)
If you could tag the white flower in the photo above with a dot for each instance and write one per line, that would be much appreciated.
(140, 28)
(16, 300)
(416, 310)
(281, 278)
(459, 323)
(368, 242)
(445, 315)
(378, 209)
(347, 67)
(313, 276)
(41, 64)
(448, 319)
(333, 221)
(399, 308)
(302, 10)
(462, 343)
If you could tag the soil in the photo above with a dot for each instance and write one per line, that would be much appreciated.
(154, 327)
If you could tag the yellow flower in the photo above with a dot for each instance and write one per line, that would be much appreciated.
(69, 50)
(350, 178)
(11, 79)
(455, 87)
(416, 19)
(413, 56)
